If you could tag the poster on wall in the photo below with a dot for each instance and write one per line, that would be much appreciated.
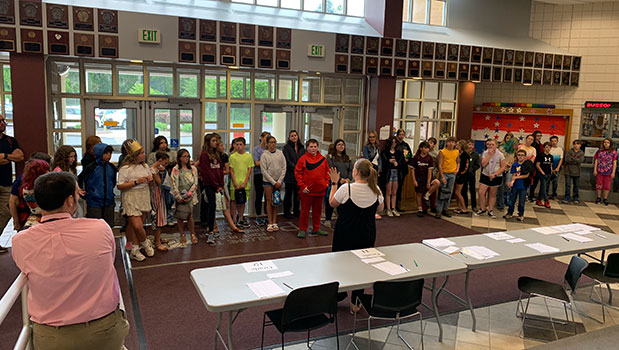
(490, 125)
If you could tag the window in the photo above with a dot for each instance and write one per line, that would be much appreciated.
(188, 82)
(215, 84)
(130, 80)
(431, 12)
(98, 78)
(354, 8)
(160, 81)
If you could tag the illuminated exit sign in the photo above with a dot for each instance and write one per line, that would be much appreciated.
(151, 36)
(314, 50)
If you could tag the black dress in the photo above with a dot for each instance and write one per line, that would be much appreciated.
(355, 227)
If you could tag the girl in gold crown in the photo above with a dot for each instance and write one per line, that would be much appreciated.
(134, 177)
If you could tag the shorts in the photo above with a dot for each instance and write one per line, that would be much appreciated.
(422, 186)
(393, 175)
(461, 178)
(603, 182)
(497, 181)
(136, 201)
(266, 184)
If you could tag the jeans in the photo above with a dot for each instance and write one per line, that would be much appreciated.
(503, 192)
(534, 185)
(555, 183)
(209, 191)
(291, 198)
(521, 195)
(469, 187)
(445, 191)
(328, 208)
(259, 189)
(544, 182)
(575, 180)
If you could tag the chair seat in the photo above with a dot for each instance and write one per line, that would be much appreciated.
(366, 301)
(531, 285)
(596, 271)
(309, 323)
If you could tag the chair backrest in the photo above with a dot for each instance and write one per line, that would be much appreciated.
(574, 271)
(612, 266)
(395, 296)
(310, 301)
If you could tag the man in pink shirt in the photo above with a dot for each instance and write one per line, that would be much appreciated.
(73, 290)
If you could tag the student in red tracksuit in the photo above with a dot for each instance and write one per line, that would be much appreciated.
(312, 175)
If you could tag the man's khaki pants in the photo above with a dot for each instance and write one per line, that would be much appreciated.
(5, 213)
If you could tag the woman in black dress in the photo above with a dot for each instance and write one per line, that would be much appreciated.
(357, 203)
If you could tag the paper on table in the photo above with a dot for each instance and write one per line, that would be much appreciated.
(391, 268)
(577, 238)
(583, 227)
(438, 242)
(279, 274)
(373, 260)
(367, 253)
(265, 289)
(499, 236)
(583, 232)
(479, 252)
(542, 248)
(516, 240)
(259, 266)
(546, 230)
(451, 250)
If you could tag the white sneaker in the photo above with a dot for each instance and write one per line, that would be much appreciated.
(136, 254)
(395, 212)
(389, 212)
(148, 247)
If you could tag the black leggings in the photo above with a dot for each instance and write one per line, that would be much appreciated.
(469, 187)
(259, 188)
(291, 198)
(210, 207)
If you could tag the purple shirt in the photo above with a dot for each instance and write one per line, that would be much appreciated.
(605, 160)
(257, 153)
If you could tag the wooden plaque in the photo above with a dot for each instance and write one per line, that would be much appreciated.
(440, 51)
(401, 48)
(565, 78)
(508, 60)
(428, 50)
(187, 28)
(57, 43)
(32, 40)
(248, 56)
(548, 58)
(265, 58)
(341, 63)
(556, 78)
(414, 69)
(7, 12)
(527, 76)
(465, 53)
(57, 16)
(558, 61)
(356, 64)
(529, 57)
(539, 60)
(108, 46)
(265, 36)
(227, 55)
(208, 53)
(463, 71)
(227, 32)
(284, 38)
(475, 72)
(108, 21)
(187, 51)
(386, 47)
(567, 62)
(371, 65)
(498, 56)
(486, 55)
(452, 70)
(247, 34)
(342, 43)
(426, 69)
(84, 44)
(497, 74)
(547, 77)
(357, 44)
(574, 79)
(537, 76)
(518, 75)
(400, 68)
(30, 13)
(208, 30)
(371, 46)
(486, 73)
(282, 59)
(508, 75)
(519, 58)
(8, 39)
(439, 70)
(476, 54)
(83, 19)
(386, 66)
(576, 63)
(414, 49)
(452, 52)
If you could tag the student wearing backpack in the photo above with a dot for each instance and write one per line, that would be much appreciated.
(98, 179)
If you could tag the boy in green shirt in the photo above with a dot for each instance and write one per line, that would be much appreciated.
(241, 166)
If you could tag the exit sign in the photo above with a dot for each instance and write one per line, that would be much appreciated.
(314, 50)
(152, 36)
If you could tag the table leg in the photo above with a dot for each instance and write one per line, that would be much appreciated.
(216, 335)
(435, 305)
(438, 294)
(468, 299)
(230, 320)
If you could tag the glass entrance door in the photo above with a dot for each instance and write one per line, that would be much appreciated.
(278, 120)
(113, 122)
(176, 123)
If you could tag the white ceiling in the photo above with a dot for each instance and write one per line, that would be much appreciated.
(573, 2)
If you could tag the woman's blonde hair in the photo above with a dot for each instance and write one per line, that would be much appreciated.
(368, 173)
(463, 145)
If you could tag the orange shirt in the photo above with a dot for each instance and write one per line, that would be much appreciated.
(450, 159)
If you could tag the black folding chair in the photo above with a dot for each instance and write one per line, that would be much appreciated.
(395, 300)
(604, 274)
(305, 309)
(549, 290)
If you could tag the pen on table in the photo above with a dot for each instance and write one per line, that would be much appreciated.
(284, 283)
(402, 266)
(601, 236)
(415, 261)
(565, 238)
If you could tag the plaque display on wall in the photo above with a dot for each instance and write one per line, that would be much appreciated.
(227, 55)
(428, 50)
(558, 61)
(475, 72)
(108, 46)
(507, 75)
(208, 53)
(400, 68)
(265, 36)
(439, 70)
(248, 56)
(57, 42)
(208, 30)
(371, 65)
(414, 49)
(463, 71)
(247, 34)
(57, 16)
(83, 19)
(508, 60)
(386, 66)
(227, 32)
(357, 45)
(498, 56)
(486, 73)
(465, 53)
(426, 69)
(341, 63)
(565, 78)
(539, 60)
(518, 75)
(527, 77)
(440, 51)
(282, 60)
(386, 46)
(30, 13)
(32, 40)
(547, 77)
(7, 12)
(476, 55)
(556, 78)
(356, 64)
(519, 58)
(537, 76)
(401, 48)
(452, 71)
(84, 44)
(487, 55)
(187, 51)
(574, 79)
(414, 69)
(452, 52)
(371, 46)
(528, 59)
(284, 38)
(265, 58)
(497, 74)
(567, 62)
(576, 63)
(548, 60)
(8, 39)
(108, 21)
(342, 41)
(187, 28)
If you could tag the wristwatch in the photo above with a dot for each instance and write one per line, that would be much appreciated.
(333, 183)
(6, 156)
(135, 182)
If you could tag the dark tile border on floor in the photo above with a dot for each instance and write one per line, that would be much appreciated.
(607, 216)
(539, 209)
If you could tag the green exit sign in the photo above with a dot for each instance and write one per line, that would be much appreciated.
(152, 36)
(314, 50)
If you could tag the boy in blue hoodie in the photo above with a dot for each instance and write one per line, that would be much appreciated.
(98, 179)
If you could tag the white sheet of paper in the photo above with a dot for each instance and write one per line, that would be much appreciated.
(265, 289)
(542, 248)
(438, 242)
(499, 236)
(391, 268)
(373, 260)
(584, 232)
(577, 238)
(279, 274)
(260, 266)
(546, 230)
(516, 240)
(483, 251)
(584, 227)
(451, 250)
(385, 132)
(367, 253)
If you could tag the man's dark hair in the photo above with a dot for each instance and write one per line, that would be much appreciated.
(554, 137)
(161, 155)
(52, 189)
(310, 141)
(41, 156)
(108, 149)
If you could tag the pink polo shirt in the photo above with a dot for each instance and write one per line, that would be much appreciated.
(70, 268)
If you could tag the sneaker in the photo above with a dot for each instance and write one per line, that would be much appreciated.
(389, 213)
(437, 215)
(259, 221)
(598, 200)
(395, 212)
(576, 201)
(321, 233)
(446, 213)
(520, 218)
(420, 214)
(507, 216)
(480, 212)
(270, 228)
(301, 234)
(148, 247)
(605, 201)
(244, 223)
(210, 240)
(491, 214)
(531, 199)
(566, 201)
(426, 198)
(377, 216)
(539, 202)
(327, 223)
(136, 254)
(547, 204)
